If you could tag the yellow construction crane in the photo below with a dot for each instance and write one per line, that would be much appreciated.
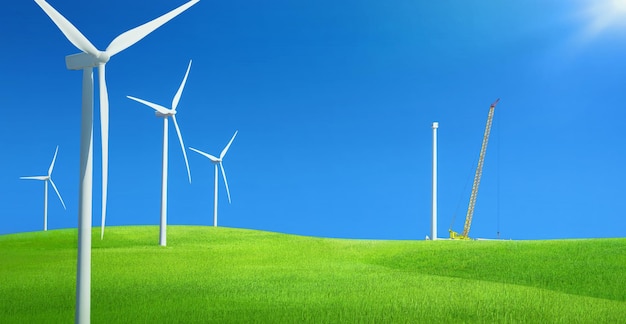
(479, 171)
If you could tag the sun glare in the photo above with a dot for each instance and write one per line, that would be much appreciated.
(604, 15)
(619, 5)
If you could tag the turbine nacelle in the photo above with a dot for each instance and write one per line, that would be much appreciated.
(170, 113)
(86, 60)
(81, 60)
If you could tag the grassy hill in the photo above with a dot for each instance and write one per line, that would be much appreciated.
(221, 275)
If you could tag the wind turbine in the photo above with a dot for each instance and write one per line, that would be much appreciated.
(45, 179)
(217, 161)
(165, 113)
(89, 58)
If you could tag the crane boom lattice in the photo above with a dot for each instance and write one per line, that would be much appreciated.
(477, 176)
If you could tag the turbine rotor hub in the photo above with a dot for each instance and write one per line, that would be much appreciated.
(103, 57)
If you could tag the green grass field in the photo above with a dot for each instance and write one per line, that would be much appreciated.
(222, 275)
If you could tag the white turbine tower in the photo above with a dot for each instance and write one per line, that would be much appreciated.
(217, 161)
(165, 113)
(89, 58)
(45, 179)
(433, 228)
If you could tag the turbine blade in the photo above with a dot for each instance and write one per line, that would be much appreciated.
(180, 89)
(211, 157)
(104, 130)
(71, 33)
(154, 106)
(182, 146)
(225, 182)
(227, 146)
(53, 159)
(58, 194)
(35, 178)
(134, 35)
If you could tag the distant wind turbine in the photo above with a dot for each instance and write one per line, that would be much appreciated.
(165, 113)
(45, 179)
(217, 161)
(89, 58)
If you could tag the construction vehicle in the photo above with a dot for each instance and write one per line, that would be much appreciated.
(479, 171)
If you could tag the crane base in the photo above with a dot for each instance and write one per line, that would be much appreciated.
(456, 236)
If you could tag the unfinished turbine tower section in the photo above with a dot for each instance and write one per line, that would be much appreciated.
(479, 171)
(433, 224)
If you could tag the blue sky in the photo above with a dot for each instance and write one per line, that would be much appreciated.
(334, 102)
